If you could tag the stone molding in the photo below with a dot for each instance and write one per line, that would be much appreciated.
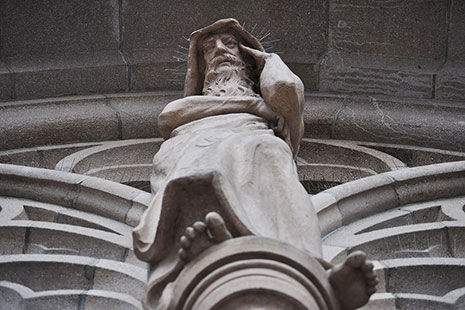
(427, 123)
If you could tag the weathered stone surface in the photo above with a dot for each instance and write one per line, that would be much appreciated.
(320, 113)
(307, 72)
(6, 83)
(139, 113)
(97, 300)
(456, 239)
(126, 154)
(139, 205)
(433, 276)
(456, 51)
(45, 301)
(329, 216)
(375, 81)
(329, 152)
(68, 74)
(363, 197)
(11, 239)
(12, 295)
(414, 301)
(52, 26)
(149, 24)
(412, 122)
(430, 182)
(51, 238)
(155, 70)
(46, 272)
(411, 29)
(450, 81)
(385, 301)
(52, 121)
(119, 277)
(40, 157)
(427, 240)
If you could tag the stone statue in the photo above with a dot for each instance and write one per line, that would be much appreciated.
(227, 170)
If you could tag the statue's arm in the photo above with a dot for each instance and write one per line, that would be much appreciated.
(283, 91)
(188, 109)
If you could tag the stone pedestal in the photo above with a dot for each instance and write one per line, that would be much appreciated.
(251, 273)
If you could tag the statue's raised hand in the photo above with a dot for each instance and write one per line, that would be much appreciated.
(259, 56)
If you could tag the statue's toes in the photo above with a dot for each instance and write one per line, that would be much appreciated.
(217, 227)
(356, 259)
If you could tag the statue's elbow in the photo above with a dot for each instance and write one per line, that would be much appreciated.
(164, 125)
(290, 87)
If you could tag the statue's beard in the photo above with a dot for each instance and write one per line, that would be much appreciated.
(227, 75)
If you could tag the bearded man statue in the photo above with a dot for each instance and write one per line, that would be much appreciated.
(226, 168)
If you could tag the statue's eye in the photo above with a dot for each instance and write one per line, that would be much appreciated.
(208, 47)
(230, 43)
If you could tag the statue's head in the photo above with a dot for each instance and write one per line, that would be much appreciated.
(214, 50)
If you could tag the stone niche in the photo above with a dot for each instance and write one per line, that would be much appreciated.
(82, 84)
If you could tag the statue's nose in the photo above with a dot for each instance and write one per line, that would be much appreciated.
(220, 47)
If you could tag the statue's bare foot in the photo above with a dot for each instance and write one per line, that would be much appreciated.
(353, 281)
(202, 235)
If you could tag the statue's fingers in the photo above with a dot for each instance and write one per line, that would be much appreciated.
(281, 124)
(259, 56)
(251, 51)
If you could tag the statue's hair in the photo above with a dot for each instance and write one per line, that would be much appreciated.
(196, 66)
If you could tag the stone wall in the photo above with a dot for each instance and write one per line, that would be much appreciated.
(396, 48)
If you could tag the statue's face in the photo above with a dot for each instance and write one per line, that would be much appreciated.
(223, 44)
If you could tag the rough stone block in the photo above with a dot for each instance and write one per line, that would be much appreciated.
(127, 155)
(153, 24)
(329, 216)
(97, 300)
(53, 121)
(435, 277)
(456, 239)
(11, 239)
(51, 156)
(320, 111)
(413, 301)
(139, 205)
(411, 29)
(373, 118)
(450, 81)
(52, 26)
(417, 184)
(49, 238)
(6, 83)
(29, 158)
(11, 295)
(45, 272)
(39, 184)
(139, 114)
(117, 199)
(155, 70)
(385, 301)
(430, 241)
(375, 81)
(364, 197)
(456, 51)
(68, 74)
(308, 73)
(50, 301)
(122, 278)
